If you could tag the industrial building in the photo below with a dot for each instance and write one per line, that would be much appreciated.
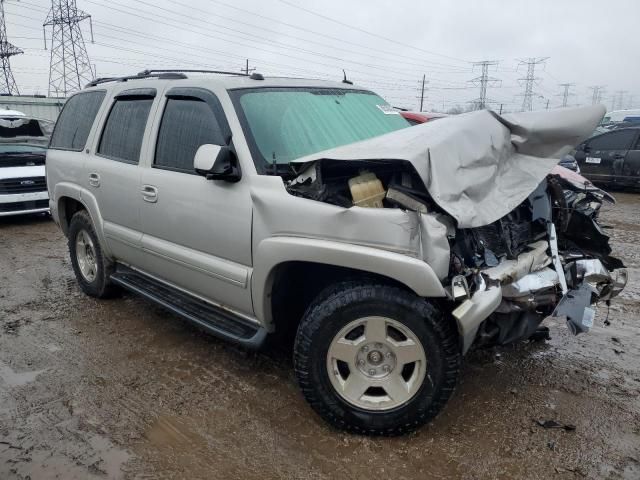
(46, 108)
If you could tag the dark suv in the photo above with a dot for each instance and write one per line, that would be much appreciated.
(612, 157)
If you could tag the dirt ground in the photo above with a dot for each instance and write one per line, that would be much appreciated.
(122, 389)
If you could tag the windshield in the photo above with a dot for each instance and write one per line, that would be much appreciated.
(284, 124)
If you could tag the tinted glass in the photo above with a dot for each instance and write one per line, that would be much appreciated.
(286, 124)
(186, 124)
(620, 140)
(124, 130)
(75, 121)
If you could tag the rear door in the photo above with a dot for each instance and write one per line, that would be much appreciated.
(602, 158)
(631, 168)
(113, 173)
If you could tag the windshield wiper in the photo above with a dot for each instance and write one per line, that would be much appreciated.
(285, 169)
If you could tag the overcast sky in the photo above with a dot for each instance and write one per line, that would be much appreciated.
(383, 45)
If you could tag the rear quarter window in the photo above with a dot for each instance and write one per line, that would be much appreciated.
(75, 121)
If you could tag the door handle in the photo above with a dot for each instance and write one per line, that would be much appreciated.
(94, 179)
(618, 156)
(149, 193)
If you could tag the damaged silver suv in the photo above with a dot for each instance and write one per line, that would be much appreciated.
(253, 206)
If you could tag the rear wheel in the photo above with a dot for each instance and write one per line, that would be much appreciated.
(91, 267)
(375, 359)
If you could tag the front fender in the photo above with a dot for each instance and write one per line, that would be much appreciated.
(415, 274)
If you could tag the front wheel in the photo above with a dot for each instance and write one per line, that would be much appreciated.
(375, 359)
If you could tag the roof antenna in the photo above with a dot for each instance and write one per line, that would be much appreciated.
(344, 80)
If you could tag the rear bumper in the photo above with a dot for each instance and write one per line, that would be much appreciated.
(24, 203)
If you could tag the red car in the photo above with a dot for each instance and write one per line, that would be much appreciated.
(415, 118)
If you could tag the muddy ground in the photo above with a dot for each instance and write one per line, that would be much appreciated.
(122, 389)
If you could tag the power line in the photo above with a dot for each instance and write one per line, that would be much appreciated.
(70, 68)
(7, 50)
(243, 34)
(324, 35)
(365, 78)
(484, 81)
(257, 42)
(529, 80)
(191, 46)
(353, 27)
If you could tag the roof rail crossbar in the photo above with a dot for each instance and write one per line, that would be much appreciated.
(99, 80)
(162, 75)
(167, 74)
(182, 70)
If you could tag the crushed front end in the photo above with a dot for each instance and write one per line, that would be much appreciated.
(548, 257)
(513, 237)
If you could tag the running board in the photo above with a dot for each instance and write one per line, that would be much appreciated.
(209, 317)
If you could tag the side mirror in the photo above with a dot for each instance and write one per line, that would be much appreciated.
(581, 150)
(217, 162)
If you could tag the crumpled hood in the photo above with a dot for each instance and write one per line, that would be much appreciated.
(479, 166)
(28, 130)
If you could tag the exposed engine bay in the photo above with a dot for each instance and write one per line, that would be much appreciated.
(547, 256)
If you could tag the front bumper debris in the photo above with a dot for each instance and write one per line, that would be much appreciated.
(592, 283)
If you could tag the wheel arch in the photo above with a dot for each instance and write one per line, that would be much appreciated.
(69, 199)
(67, 208)
(288, 271)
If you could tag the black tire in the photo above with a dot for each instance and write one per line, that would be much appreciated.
(334, 308)
(101, 286)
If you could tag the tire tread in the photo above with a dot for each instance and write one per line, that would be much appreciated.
(341, 295)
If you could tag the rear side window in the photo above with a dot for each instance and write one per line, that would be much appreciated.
(186, 125)
(75, 121)
(617, 140)
(124, 130)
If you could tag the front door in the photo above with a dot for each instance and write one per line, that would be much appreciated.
(197, 232)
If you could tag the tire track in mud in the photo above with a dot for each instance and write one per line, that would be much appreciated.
(125, 390)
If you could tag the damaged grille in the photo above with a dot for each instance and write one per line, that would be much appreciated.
(507, 237)
(504, 238)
